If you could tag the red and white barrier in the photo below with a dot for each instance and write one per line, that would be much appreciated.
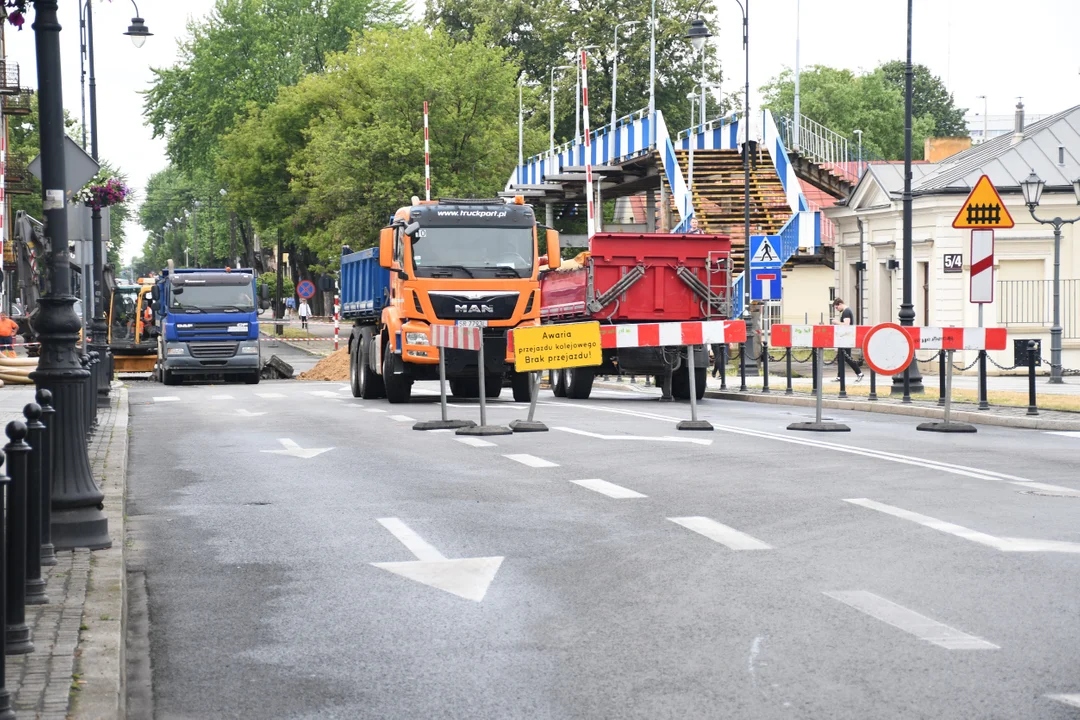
(337, 320)
(427, 157)
(672, 334)
(590, 199)
(455, 336)
(851, 336)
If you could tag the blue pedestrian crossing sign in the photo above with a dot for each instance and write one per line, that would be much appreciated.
(765, 269)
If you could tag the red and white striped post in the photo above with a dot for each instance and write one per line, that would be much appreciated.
(590, 200)
(427, 156)
(337, 320)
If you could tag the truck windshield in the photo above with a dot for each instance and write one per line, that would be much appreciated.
(213, 298)
(509, 250)
(124, 312)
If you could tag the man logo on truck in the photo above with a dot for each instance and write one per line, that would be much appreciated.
(474, 309)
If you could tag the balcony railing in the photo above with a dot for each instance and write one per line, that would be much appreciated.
(1031, 302)
(21, 103)
(17, 179)
(9, 78)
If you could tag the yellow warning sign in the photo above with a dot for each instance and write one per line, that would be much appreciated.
(552, 347)
(983, 208)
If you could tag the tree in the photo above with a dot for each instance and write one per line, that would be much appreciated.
(929, 97)
(843, 101)
(540, 34)
(241, 53)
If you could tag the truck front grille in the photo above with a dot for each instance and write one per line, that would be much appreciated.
(497, 305)
(215, 350)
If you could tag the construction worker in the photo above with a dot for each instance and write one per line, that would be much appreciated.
(8, 328)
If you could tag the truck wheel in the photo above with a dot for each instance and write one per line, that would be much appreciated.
(168, 378)
(680, 384)
(521, 383)
(371, 385)
(398, 387)
(354, 371)
(492, 386)
(579, 382)
(465, 387)
(559, 384)
(253, 378)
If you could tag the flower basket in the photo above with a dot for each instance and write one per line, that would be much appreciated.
(111, 192)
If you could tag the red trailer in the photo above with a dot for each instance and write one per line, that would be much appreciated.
(631, 278)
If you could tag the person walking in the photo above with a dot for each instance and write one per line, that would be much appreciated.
(290, 305)
(846, 317)
(719, 361)
(304, 312)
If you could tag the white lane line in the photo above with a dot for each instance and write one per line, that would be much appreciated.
(166, 398)
(441, 430)
(270, 395)
(1070, 700)
(532, 461)
(375, 410)
(402, 418)
(474, 442)
(1054, 489)
(418, 546)
(323, 393)
(695, 441)
(732, 538)
(910, 621)
(610, 489)
(222, 397)
(1071, 434)
(1003, 544)
(425, 393)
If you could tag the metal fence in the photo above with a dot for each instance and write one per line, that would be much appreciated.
(1031, 302)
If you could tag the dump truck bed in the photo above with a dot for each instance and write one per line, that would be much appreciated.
(365, 286)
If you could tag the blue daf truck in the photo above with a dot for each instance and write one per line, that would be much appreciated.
(208, 324)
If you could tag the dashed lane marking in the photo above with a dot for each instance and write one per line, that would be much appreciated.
(910, 621)
(1071, 434)
(532, 461)
(473, 442)
(727, 536)
(1070, 700)
(374, 410)
(222, 397)
(610, 489)
(323, 393)
(402, 418)
(166, 398)
(270, 395)
(668, 438)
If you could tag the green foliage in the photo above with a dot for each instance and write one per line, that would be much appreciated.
(241, 53)
(843, 101)
(929, 96)
(269, 279)
(541, 34)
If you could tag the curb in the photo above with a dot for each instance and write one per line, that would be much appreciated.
(975, 418)
(101, 657)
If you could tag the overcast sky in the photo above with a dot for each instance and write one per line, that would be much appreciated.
(999, 48)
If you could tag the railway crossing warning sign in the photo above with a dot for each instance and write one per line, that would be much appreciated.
(983, 209)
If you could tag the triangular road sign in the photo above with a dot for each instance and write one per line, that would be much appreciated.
(765, 254)
(983, 209)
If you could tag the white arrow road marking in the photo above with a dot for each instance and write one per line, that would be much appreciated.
(293, 449)
(270, 395)
(165, 398)
(910, 621)
(467, 578)
(1003, 544)
(1070, 700)
(475, 442)
(244, 412)
(722, 534)
(402, 418)
(610, 489)
(696, 441)
(222, 397)
(531, 461)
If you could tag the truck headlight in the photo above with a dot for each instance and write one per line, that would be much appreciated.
(416, 338)
(249, 350)
(176, 350)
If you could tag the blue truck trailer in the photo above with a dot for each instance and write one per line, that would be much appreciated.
(208, 324)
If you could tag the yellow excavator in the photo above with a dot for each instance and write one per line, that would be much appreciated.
(132, 327)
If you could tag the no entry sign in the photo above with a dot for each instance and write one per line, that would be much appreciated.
(888, 349)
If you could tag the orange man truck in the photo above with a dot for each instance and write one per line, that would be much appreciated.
(464, 262)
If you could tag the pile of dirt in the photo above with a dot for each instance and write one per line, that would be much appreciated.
(334, 366)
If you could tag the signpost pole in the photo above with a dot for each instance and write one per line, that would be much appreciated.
(483, 428)
(947, 425)
(444, 423)
(442, 384)
(693, 423)
(530, 425)
(482, 377)
(819, 424)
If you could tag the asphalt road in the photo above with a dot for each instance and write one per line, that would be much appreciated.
(309, 555)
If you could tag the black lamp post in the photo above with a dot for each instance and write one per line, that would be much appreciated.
(911, 379)
(1033, 188)
(99, 328)
(77, 519)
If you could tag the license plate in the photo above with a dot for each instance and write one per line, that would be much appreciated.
(472, 323)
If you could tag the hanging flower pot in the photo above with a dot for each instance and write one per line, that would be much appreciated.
(111, 192)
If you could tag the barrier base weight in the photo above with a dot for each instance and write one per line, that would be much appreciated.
(694, 425)
(443, 424)
(819, 427)
(485, 430)
(528, 426)
(946, 427)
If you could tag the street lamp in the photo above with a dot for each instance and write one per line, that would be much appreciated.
(521, 129)
(615, 81)
(77, 517)
(195, 231)
(551, 97)
(1033, 188)
(744, 7)
(137, 30)
(986, 124)
(698, 33)
(858, 167)
(692, 97)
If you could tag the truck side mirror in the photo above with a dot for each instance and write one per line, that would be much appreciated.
(264, 292)
(554, 253)
(386, 247)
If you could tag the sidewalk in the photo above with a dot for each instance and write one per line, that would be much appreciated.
(77, 667)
